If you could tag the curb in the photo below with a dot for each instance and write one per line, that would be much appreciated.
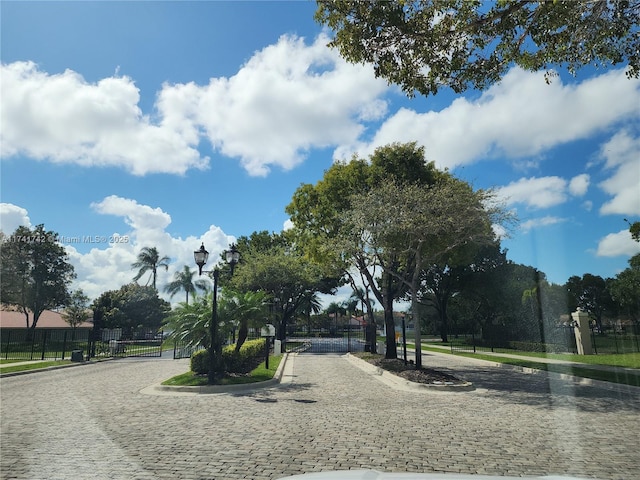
(53, 367)
(159, 389)
(399, 383)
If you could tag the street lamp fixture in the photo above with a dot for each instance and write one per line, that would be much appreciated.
(232, 256)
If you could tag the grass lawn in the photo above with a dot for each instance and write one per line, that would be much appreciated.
(618, 376)
(6, 366)
(627, 360)
(259, 374)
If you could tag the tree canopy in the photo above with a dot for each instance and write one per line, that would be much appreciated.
(149, 260)
(183, 280)
(272, 264)
(424, 45)
(35, 272)
(131, 307)
(406, 228)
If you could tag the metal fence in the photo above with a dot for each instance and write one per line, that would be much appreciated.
(137, 343)
(58, 344)
(613, 341)
(42, 344)
(610, 342)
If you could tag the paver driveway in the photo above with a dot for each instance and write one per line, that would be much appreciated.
(93, 422)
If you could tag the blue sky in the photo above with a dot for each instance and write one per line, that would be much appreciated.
(176, 123)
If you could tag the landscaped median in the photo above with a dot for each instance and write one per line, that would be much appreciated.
(192, 383)
(405, 377)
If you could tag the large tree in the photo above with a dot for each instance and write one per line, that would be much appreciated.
(131, 307)
(406, 227)
(318, 214)
(35, 272)
(625, 289)
(423, 45)
(77, 309)
(277, 268)
(149, 260)
(591, 294)
(443, 280)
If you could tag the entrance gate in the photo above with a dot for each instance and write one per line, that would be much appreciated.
(116, 343)
(342, 341)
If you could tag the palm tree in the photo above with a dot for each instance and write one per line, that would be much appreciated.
(149, 259)
(189, 324)
(247, 308)
(311, 304)
(184, 281)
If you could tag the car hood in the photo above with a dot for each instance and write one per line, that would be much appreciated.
(376, 475)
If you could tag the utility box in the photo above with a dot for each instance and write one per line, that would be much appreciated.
(268, 331)
(277, 347)
(76, 356)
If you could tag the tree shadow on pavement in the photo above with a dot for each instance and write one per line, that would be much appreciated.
(548, 390)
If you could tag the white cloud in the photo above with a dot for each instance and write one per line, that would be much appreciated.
(139, 217)
(287, 225)
(541, 192)
(12, 217)
(579, 185)
(541, 222)
(107, 266)
(520, 117)
(617, 244)
(64, 119)
(622, 156)
(287, 98)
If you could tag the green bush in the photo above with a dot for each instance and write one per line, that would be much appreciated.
(200, 362)
(248, 358)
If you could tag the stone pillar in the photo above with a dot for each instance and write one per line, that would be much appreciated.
(582, 332)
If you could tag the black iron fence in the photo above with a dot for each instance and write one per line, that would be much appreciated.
(58, 344)
(613, 341)
(563, 341)
(116, 343)
(42, 344)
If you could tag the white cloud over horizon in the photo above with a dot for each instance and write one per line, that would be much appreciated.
(62, 118)
(11, 217)
(286, 99)
(519, 117)
(622, 159)
(618, 244)
(107, 266)
(540, 222)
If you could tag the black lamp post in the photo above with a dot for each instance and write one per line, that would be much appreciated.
(215, 345)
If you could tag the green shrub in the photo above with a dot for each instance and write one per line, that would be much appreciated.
(200, 362)
(248, 358)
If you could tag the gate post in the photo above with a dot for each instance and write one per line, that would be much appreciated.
(582, 332)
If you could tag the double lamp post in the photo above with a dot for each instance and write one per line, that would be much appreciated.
(232, 257)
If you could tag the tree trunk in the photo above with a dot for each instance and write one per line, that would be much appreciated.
(389, 321)
(243, 331)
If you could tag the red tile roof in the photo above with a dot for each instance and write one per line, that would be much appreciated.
(48, 319)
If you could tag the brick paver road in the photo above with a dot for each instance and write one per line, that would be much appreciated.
(93, 422)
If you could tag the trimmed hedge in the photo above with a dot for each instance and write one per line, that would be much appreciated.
(249, 357)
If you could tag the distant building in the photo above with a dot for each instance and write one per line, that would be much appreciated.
(48, 319)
